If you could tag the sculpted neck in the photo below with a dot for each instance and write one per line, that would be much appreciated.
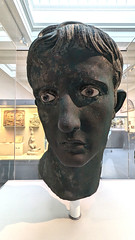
(70, 183)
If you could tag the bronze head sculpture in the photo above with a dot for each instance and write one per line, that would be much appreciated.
(74, 70)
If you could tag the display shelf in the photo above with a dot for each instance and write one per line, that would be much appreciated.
(117, 129)
(22, 157)
(30, 211)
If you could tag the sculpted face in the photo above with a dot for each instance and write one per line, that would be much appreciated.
(74, 70)
(75, 100)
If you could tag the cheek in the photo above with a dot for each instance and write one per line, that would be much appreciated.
(105, 118)
(97, 116)
(48, 119)
(43, 115)
(105, 113)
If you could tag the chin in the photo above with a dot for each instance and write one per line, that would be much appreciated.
(77, 160)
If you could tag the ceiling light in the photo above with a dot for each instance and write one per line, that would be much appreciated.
(22, 40)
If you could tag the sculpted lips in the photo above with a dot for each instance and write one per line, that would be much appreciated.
(73, 146)
(72, 141)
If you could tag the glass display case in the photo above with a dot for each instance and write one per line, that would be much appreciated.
(21, 133)
(22, 139)
(119, 155)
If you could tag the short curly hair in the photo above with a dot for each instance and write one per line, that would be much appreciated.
(59, 38)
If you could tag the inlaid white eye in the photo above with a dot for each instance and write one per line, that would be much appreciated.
(47, 97)
(90, 92)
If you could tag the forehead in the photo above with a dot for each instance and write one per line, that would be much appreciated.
(72, 65)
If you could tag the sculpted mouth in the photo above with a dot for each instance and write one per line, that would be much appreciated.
(73, 146)
(72, 142)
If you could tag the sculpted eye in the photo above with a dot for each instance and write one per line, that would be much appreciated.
(47, 97)
(89, 92)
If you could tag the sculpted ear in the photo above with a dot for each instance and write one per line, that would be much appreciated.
(121, 95)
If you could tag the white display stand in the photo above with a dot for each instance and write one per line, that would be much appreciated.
(30, 211)
(74, 210)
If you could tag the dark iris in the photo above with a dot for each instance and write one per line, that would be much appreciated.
(89, 91)
(47, 97)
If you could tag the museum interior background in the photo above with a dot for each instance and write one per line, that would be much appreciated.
(20, 23)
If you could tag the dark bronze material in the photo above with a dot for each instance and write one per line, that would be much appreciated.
(74, 71)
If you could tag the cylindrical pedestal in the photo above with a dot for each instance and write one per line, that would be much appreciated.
(74, 212)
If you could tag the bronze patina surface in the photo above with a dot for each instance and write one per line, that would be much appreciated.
(75, 70)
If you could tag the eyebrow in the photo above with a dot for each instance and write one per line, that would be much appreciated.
(97, 83)
(47, 87)
(85, 80)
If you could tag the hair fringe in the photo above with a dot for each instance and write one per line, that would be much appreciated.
(59, 38)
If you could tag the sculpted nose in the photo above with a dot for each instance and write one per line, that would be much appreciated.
(68, 115)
